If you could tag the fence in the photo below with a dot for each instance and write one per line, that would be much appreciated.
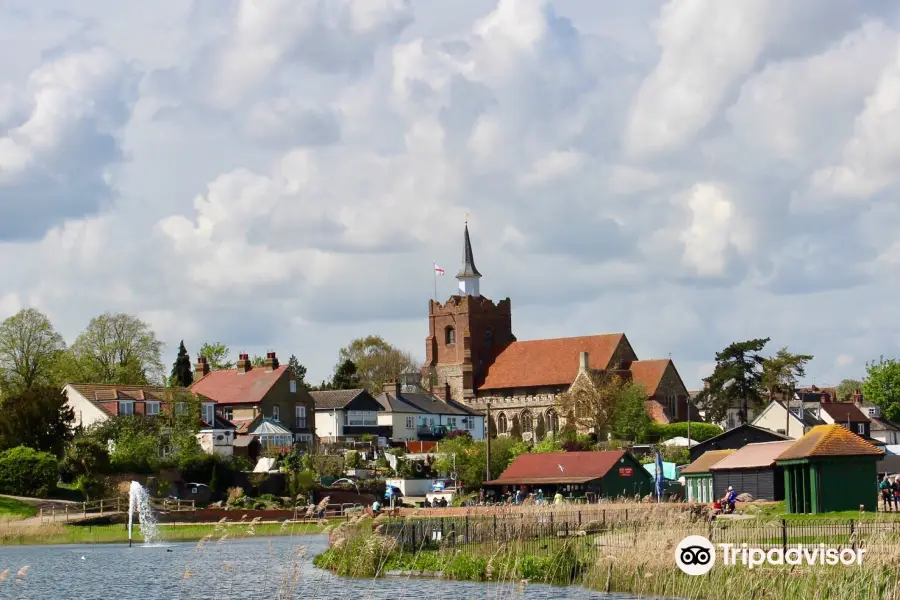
(107, 506)
(611, 531)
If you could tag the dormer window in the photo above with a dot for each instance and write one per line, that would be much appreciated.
(450, 336)
(152, 408)
(126, 407)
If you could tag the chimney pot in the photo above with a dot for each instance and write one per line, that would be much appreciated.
(202, 367)
(243, 363)
(584, 364)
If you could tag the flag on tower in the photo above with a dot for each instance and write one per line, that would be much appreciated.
(438, 270)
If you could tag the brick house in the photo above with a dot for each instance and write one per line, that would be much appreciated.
(246, 392)
(471, 349)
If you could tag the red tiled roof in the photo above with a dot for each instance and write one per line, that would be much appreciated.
(649, 373)
(552, 362)
(228, 386)
(560, 467)
(844, 412)
(105, 396)
(830, 440)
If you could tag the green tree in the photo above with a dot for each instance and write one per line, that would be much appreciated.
(345, 377)
(216, 354)
(781, 374)
(27, 472)
(299, 372)
(630, 419)
(118, 348)
(470, 458)
(846, 389)
(736, 381)
(258, 361)
(182, 370)
(38, 418)
(882, 386)
(376, 361)
(86, 456)
(29, 351)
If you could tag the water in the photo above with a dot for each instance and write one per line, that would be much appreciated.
(248, 568)
(139, 502)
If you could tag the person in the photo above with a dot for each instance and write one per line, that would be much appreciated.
(376, 506)
(518, 499)
(895, 487)
(481, 496)
(426, 504)
(731, 499)
(558, 498)
(540, 496)
(887, 493)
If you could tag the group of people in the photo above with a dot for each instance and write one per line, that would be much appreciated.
(890, 492)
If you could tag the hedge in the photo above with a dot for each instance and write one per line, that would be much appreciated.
(26, 472)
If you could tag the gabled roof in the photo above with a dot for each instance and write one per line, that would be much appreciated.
(880, 424)
(706, 460)
(421, 402)
(649, 373)
(739, 431)
(552, 362)
(220, 423)
(558, 467)
(335, 399)
(753, 456)
(844, 412)
(229, 386)
(829, 440)
(105, 395)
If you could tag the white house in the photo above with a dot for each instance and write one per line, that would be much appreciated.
(347, 414)
(414, 414)
(881, 429)
(800, 422)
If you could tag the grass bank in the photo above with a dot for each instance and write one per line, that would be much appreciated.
(640, 562)
(16, 509)
(13, 534)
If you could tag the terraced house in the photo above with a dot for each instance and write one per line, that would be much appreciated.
(473, 358)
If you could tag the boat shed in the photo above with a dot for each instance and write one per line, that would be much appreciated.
(735, 439)
(698, 481)
(752, 470)
(588, 475)
(830, 469)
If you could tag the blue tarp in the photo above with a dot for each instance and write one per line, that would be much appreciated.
(668, 470)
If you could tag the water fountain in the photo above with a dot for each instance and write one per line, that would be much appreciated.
(139, 502)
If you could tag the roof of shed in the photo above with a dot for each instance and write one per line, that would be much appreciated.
(830, 440)
(705, 461)
(753, 456)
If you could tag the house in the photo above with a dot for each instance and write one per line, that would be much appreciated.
(735, 439)
(698, 481)
(417, 415)
(830, 469)
(246, 392)
(347, 414)
(471, 350)
(751, 470)
(589, 475)
(95, 403)
(803, 417)
(880, 429)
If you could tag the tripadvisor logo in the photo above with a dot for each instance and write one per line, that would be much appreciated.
(696, 555)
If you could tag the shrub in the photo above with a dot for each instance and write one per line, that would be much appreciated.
(27, 472)
(352, 459)
(699, 431)
(90, 487)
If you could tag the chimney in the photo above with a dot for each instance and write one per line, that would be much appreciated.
(201, 368)
(271, 362)
(243, 363)
(584, 364)
(392, 387)
(857, 397)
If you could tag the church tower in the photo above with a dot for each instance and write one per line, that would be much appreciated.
(465, 334)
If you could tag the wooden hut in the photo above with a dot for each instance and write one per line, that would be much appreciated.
(698, 481)
(735, 439)
(752, 470)
(830, 469)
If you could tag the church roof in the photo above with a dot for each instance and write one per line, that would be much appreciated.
(468, 267)
(649, 373)
(538, 363)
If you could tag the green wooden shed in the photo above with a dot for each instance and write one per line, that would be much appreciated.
(698, 482)
(830, 469)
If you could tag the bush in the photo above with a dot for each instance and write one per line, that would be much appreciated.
(352, 459)
(27, 472)
(700, 432)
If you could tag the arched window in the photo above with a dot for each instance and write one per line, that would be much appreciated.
(489, 337)
(501, 423)
(552, 421)
(527, 421)
(450, 336)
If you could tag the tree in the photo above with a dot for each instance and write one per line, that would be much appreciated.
(38, 418)
(630, 419)
(376, 361)
(846, 389)
(299, 372)
(882, 386)
(86, 456)
(29, 351)
(591, 405)
(26, 472)
(781, 374)
(736, 380)
(258, 361)
(216, 354)
(345, 377)
(118, 348)
(182, 371)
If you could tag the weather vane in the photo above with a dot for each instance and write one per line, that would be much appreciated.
(467, 217)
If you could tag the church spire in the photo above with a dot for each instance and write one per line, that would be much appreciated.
(468, 275)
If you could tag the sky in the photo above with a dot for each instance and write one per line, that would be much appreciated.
(281, 175)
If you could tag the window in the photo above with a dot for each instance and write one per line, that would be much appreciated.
(451, 422)
(501, 423)
(209, 410)
(361, 418)
(293, 387)
(276, 412)
(410, 422)
(872, 412)
(152, 408)
(181, 407)
(552, 421)
(861, 428)
(303, 438)
(126, 408)
(527, 422)
(300, 417)
(229, 413)
(450, 336)
(489, 337)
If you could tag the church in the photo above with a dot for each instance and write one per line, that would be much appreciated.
(472, 356)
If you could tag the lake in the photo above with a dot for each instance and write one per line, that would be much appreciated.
(249, 568)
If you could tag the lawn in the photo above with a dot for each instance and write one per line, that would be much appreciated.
(16, 509)
(778, 511)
